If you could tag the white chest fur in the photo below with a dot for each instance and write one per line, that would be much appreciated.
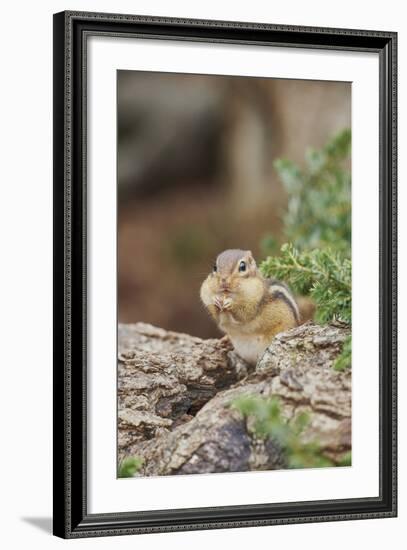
(246, 340)
(249, 347)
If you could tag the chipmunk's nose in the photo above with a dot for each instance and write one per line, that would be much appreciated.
(224, 283)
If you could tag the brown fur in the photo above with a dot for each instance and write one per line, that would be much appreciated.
(244, 305)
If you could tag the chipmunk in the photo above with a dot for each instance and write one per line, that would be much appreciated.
(249, 308)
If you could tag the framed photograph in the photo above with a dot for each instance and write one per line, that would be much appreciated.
(224, 274)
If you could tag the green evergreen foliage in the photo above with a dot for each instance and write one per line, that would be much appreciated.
(344, 360)
(129, 466)
(323, 274)
(346, 460)
(319, 197)
(268, 422)
(317, 225)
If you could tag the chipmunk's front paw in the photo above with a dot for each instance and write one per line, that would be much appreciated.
(222, 303)
(227, 304)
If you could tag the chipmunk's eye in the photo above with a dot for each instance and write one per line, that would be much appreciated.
(242, 266)
(215, 269)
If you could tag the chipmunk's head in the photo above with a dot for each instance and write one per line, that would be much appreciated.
(232, 268)
(234, 278)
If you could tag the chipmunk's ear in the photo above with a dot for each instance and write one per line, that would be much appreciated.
(250, 257)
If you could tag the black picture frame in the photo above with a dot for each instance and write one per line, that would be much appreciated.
(71, 518)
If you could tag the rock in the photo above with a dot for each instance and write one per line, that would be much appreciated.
(176, 394)
(164, 378)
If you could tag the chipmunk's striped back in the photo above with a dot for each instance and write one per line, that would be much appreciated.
(280, 291)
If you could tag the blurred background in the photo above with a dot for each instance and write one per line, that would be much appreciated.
(196, 176)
